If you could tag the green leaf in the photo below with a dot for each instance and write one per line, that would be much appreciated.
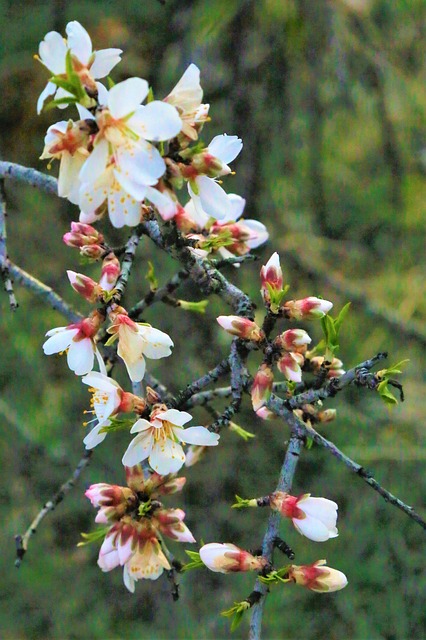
(93, 536)
(342, 315)
(385, 393)
(118, 424)
(196, 562)
(151, 277)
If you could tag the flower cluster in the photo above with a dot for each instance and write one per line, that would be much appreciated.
(138, 523)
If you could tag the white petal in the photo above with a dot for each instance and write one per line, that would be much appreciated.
(157, 121)
(157, 344)
(96, 163)
(141, 164)
(141, 425)
(105, 61)
(258, 233)
(125, 97)
(80, 356)
(101, 382)
(84, 113)
(94, 438)
(123, 209)
(187, 94)
(48, 90)
(108, 561)
(225, 147)
(312, 529)
(125, 551)
(91, 196)
(129, 583)
(320, 508)
(58, 341)
(68, 180)
(237, 206)
(195, 211)
(166, 457)
(79, 41)
(197, 435)
(52, 51)
(136, 370)
(214, 199)
(175, 417)
(138, 449)
(134, 189)
(167, 208)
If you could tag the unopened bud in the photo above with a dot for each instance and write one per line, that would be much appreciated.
(82, 235)
(85, 286)
(92, 251)
(241, 327)
(228, 558)
(262, 386)
(110, 271)
(206, 164)
(293, 340)
(317, 577)
(290, 365)
(307, 308)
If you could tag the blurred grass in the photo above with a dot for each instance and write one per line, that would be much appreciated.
(329, 99)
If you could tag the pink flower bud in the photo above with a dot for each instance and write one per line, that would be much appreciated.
(317, 577)
(293, 340)
(241, 327)
(272, 275)
(110, 271)
(262, 386)
(307, 309)
(92, 251)
(85, 286)
(228, 558)
(114, 501)
(170, 523)
(290, 365)
(206, 164)
(82, 235)
(314, 518)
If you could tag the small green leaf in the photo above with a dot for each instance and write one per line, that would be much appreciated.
(196, 562)
(242, 503)
(196, 307)
(245, 435)
(93, 536)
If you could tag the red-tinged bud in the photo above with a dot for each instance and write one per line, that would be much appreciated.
(170, 523)
(228, 558)
(241, 327)
(307, 308)
(131, 403)
(262, 386)
(82, 235)
(183, 220)
(272, 274)
(114, 501)
(285, 504)
(290, 365)
(174, 485)
(328, 415)
(92, 251)
(293, 340)
(335, 368)
(265, 414)
(88, 327)
(110, 271)
(206, 164)
(317, 577)
(86, 287)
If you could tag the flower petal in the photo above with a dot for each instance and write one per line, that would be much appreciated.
(197, 435)
(141, 425)
(225, 147)
(312, 529)
(174, 416)
(157, 344)
(79, 41)
(125, 97)
(139, 449)
(52, 51)
(258, 233)
(166, 457)
(94, 438)
(48, 90)
(101, 382)
(105, 60)
(129, 583)
(96, 163)
(157, 121)
(59, 341)
(214, 199)
(80, 356)
(167, 208)
(142, 162)
(123, 209)
(187, 94)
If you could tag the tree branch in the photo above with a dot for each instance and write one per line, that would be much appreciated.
(32, 177)
(4, 263)
(23, 541)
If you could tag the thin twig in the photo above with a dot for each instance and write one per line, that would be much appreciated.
(23, 541)
(31, 177)
(284, 484)
(158, 294)
(211, 376)
(4, 263)
(126, 266)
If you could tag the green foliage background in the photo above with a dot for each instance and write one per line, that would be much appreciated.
(329, 100)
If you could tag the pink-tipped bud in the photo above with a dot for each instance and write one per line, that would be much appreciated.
(241, 327)
(228, 558)
(174, 485)
(114, 501)
(206, 164)
(290, 365)
(110, 271)
(92, 251)
(82, 235)
(307, 309)
(170, 523)
(262, 386)
(293, 340)
(314, 518)
(317, 577)
(271, 277)
(86, 287)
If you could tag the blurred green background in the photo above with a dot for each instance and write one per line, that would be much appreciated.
(329, 99)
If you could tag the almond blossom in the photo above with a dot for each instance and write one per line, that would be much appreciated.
(89, 65)
(160, 440)
(317, 577)
(307, 308)
(290, 364)
(241, 327)
(136, 340)
(314, 518)
(77, 340)
(207, 195)
(108, 399)
(228, 558)
(186, 97)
